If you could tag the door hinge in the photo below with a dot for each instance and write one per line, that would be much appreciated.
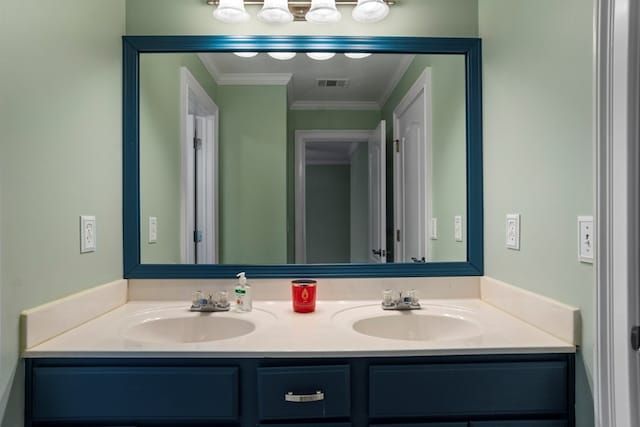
(635, 338)
(397, 143)
(397, 235)
(197, 236)
(197, 143)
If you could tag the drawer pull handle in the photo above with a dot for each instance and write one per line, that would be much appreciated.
(301, 398)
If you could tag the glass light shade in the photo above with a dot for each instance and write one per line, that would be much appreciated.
(231, 12)
(245, 54)
(369, 11)
(356, 55)
(275, 12)
(323, 12)
(321, 56)
(282, 56)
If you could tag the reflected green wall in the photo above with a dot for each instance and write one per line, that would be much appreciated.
(448, 147)
(538, 101)
(60, 157)
(360, 204)
(160, 152)
(328, 213)
(253, 168)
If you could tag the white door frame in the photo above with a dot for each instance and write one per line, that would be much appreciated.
(302, 137)
(617, 127)
(422, 86)
(189, 86)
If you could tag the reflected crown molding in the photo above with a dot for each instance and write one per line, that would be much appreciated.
(224, 79)
(395, 78)
(336, 105)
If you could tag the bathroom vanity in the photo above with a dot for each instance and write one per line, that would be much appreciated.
(476, 367)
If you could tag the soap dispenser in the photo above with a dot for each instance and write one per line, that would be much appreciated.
(243, 293)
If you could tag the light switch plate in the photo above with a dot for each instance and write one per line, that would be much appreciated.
(87, 234)
(434, 228)
(457, 228)
(153, 229)
(513, 232)
(585, 239)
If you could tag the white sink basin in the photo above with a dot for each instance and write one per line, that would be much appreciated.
(431, 323)
(176, 326)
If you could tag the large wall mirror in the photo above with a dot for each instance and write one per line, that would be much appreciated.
(302, 156)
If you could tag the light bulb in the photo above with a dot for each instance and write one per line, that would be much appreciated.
(321, 56)
(356, 55)
(369, 11)
(245, 54)
(282, 56)
(231, 12)
(323, 12)
(275, 12)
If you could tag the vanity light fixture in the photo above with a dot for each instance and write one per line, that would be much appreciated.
(275, 12)
(356, 55)
(231, 12)
(282, 56)
(370, 11)
(321, 56)
(316, 11)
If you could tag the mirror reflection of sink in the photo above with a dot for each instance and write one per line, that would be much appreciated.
(433, 323)
(175, 326)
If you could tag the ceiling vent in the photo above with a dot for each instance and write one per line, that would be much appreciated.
(333, 82)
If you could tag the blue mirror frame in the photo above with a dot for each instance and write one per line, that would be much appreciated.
(133, 46)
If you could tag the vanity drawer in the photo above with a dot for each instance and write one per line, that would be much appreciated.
(303, 383)
(134, 393)
(468, 389)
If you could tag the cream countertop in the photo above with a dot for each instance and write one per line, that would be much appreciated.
(280, 332)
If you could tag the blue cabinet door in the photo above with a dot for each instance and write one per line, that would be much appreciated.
(532, 423)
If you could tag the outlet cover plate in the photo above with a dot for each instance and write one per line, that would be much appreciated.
(434, 228)
(153, 229)
(87, 233)
(513, 232)
(585, 239)
(457, 228)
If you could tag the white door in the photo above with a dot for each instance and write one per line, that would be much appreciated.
(412, 160)
(377, 195)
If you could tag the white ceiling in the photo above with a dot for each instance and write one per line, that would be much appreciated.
(371, 79)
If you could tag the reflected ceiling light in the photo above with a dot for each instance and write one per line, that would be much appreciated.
(356, 55)
(323, 12)
(321, 56)
(275, 12)
(282, 56)
(245, 54)
(231, 12)
(369, 11)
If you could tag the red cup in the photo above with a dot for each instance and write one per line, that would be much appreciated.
(304, 295)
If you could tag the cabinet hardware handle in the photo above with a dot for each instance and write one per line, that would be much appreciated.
(301, 398)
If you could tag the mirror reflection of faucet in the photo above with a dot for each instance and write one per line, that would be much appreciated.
(404, 300)
(209, 304)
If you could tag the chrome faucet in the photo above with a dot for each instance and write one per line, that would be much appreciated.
(204, 304)
(405, 300)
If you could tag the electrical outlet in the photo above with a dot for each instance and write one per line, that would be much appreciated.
(153, 229)
(513, 232)
(457, 228)
(585, 239)
(87, 234)
(434, 228)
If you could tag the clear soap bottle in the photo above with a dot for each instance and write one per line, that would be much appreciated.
(242, 293)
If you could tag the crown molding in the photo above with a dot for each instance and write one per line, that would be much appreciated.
(395, 78)
(224, 79)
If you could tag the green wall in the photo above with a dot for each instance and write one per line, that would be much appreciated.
(448, 147)
(360, 204)
(60, 157)
(253, 168)
(538, 101)
(160, 153)
(328, 213)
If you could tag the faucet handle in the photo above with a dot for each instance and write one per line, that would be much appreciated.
(412, 297)
(387, 298)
